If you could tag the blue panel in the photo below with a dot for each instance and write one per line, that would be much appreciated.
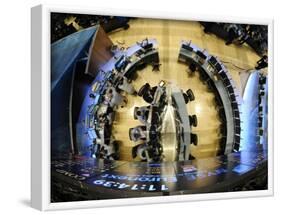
(65, 51)
(64, 55)
(249, 114)
(240, 169)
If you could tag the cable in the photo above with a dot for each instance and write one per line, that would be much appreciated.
(227, 62)
(120, 43)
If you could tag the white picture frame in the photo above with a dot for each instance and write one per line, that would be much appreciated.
(40, 162)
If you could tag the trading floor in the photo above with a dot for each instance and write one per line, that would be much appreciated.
(153, 107)
(169, 33)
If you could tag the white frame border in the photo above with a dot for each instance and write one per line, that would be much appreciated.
(40, 107)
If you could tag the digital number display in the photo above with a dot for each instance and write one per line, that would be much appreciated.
(135, 187)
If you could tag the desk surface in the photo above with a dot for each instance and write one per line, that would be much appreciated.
(185, 124)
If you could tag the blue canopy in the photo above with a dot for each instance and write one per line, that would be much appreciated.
(67, 50)
(64, 55)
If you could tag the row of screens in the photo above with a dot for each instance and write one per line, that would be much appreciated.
(215, 64)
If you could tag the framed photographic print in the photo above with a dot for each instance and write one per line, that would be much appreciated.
(141, 107)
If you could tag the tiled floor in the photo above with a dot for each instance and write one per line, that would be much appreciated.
(169, 34)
